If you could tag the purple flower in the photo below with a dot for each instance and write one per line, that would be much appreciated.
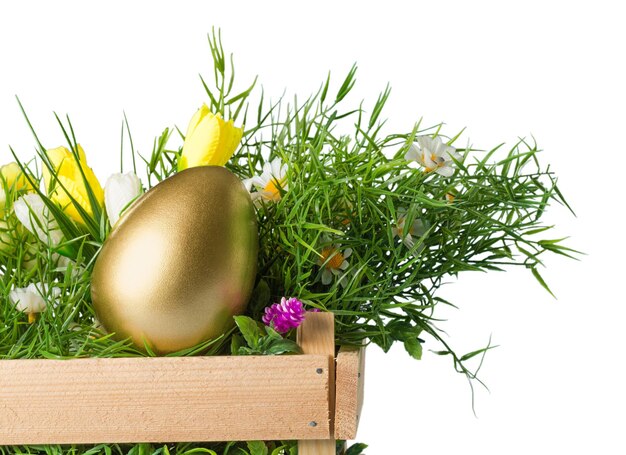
(284, 316)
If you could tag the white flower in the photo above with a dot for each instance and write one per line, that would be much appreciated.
(334, 263)
(3, 197)
(418, 228)
(32, 298)
(32, 212)
(434, 155)
(271, 182)
(119, 191)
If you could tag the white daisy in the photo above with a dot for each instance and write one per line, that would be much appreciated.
(434, 155)
(32, 299)
(34, 215)
(334, 264)
(417, 229)
(270, 184)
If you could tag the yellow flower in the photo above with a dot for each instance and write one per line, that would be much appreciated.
(12, 179)
(69, 182)
(210, 140)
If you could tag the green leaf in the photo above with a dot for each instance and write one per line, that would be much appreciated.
(199, 450)
(472, 354)
(249, 329)
(347, 85)
(236, 342)
(243, 350)
(538, 230)
(414, 348)
(356, 449)
(541, 281)
(284, 346)
(257, 448)
(272, 334)
(280, 450)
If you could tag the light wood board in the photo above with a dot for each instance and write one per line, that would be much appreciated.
(316, 335)
(165, 399)
(349, 389)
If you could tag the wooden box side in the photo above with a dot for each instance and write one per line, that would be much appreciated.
(165, 399)
(349, 386)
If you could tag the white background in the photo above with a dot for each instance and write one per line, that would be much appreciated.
(548, 69)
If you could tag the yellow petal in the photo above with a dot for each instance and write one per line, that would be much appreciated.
(62, 198)
(236, 139)
(61, 160)
(200, 148)
(14, 177)
(197, 118)
(81, 155)
(70, 183)
(210, 140)
(222, 156)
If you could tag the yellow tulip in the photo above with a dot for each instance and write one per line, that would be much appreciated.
(210, 140)
(12, 179)
(69, 182)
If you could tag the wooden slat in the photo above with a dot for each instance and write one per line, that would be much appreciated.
(164, 399)
(316, 335)
(349, 386)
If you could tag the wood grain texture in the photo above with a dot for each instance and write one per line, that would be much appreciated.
(316, 335)
(349, 387)
(165, 399)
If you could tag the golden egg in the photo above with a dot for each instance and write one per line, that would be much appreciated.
(180, 263)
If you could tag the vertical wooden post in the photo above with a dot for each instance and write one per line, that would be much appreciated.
(316, 335)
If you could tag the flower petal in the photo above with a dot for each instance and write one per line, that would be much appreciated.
(71, 176)
(408, 241)
(419, 228)
(197, 118)
(277, 168)
(119, 191)
(446, 171)
(33, 213)
(425, 142)
(412, 154)
(201, 147)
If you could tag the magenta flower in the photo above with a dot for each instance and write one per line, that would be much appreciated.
(284, 316)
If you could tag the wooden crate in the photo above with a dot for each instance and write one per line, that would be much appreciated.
(314, 398)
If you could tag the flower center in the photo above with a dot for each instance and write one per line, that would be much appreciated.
(271, 191)
(336, 258)
(400, 228)
(439, 161)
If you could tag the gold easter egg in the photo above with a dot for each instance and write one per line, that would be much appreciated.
(180, 263)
